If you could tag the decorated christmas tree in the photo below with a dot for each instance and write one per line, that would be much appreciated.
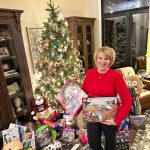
(57, 61)
(119, 42)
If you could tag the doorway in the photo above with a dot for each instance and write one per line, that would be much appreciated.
(126, 31)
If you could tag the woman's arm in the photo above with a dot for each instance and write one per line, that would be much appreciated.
(126, 99)
(85, 83)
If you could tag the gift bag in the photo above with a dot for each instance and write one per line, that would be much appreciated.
(122, 140)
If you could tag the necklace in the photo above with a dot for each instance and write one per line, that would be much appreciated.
(100, 75)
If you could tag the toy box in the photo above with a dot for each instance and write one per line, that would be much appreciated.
(99, 108)
(138, 122)
(42, 137)
(70, 97)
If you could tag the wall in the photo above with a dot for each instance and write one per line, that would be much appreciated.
(93, 9)
(34, 15)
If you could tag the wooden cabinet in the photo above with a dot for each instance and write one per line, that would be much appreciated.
(15, 84)
(82, 34)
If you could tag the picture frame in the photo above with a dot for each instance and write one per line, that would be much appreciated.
(13, 88)
(5, 67)
(70, 97)
(34, 39)
(4, 52)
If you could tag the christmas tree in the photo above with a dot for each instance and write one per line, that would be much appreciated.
(57, 61)
(119, 42)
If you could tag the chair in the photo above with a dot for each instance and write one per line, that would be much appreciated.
(141, 63)
(145, 94)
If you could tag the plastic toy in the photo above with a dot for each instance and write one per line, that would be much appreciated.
(51, 124)
(40, 109)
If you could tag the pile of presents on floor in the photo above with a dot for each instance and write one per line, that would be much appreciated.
(58, 133)
(47, 134)
(64, 129)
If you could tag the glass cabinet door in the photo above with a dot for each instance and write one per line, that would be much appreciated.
(13, 88)
(80, 43)
(85, 45)
(89, 45)
(82, 35)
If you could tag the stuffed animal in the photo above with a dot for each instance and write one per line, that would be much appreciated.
(40, 109)
(135, 82)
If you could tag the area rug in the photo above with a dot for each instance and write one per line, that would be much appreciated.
(142, 138)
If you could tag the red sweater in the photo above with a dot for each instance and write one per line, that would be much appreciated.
(107, 85)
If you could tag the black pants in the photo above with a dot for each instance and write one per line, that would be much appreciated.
(95, 130)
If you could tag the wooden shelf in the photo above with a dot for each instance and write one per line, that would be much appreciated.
(17, 94)
(84, 32)
(7, 58)
(14, 76)
(14, 72)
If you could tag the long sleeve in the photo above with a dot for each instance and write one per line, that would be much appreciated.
(126, 99)
(85, 84)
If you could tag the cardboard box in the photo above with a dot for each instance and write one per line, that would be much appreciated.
(70, 97)
(138, 122)
(99, 108)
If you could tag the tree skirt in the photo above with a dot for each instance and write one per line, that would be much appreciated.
(142, 138)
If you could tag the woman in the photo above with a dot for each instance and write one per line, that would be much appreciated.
(103, 81)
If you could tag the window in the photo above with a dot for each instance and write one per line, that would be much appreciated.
(111, 6)
(126, 31)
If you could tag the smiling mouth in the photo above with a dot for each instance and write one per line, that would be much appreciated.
(102, 65)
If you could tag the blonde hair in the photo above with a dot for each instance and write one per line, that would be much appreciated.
(110, 52)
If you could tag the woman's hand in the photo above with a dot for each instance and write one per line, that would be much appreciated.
(109, 122)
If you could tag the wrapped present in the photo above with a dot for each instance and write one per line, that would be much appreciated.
(68, 134)
(122, 140)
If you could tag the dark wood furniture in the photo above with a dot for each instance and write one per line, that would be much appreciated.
(146, 82)
(82, 33)
(14, 74)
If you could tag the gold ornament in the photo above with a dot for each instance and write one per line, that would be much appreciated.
(45, 60)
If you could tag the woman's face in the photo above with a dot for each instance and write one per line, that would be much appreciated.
(103, 61)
